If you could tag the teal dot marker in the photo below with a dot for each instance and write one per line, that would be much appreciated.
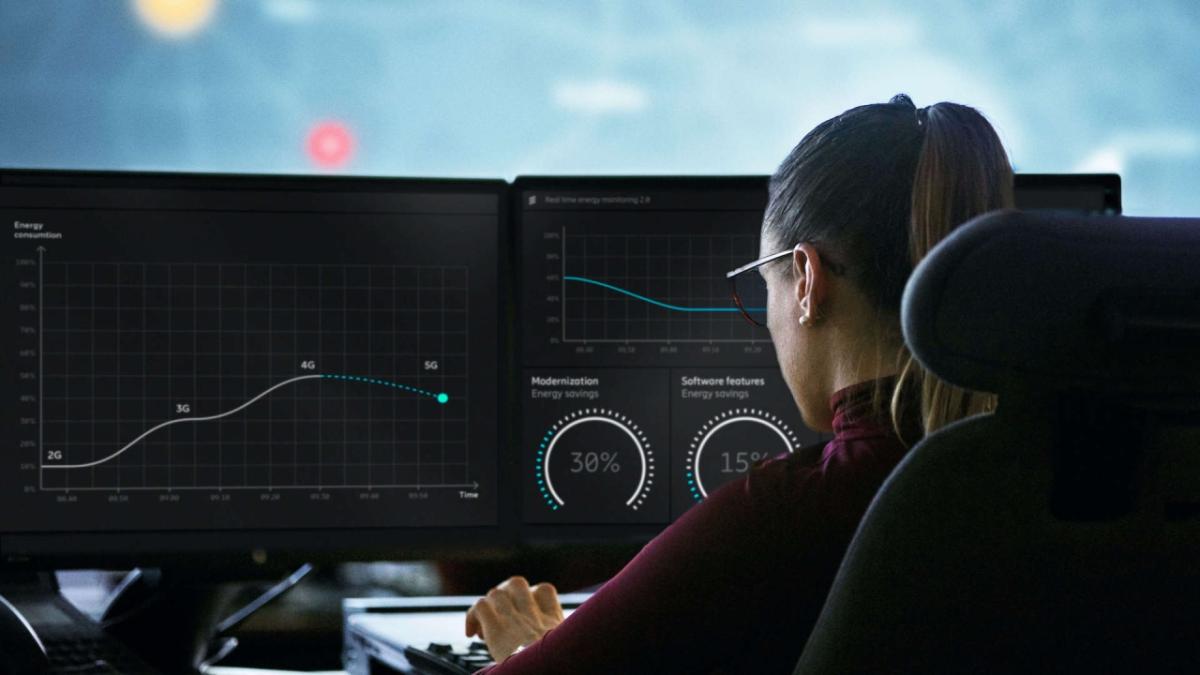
(442, 398)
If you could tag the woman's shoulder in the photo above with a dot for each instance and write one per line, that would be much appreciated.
(823, 474)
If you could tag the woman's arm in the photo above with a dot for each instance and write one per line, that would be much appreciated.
(692, 598)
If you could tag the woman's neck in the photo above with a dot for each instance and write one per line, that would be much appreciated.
(860, 359)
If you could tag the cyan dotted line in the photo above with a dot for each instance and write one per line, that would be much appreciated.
(693, 488)
(537, 472)
(439, 397)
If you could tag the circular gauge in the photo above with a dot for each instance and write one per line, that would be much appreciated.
(727, 445)
(597, 461)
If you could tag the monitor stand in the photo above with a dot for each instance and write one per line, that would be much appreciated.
(23, 648)
(169, 617)
(151, 625)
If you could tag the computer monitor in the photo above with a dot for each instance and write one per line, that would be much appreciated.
(641, 386)
(1091, 193)
(203, 364)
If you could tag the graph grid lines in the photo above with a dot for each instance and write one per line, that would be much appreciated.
(227, 376)
(652, 287)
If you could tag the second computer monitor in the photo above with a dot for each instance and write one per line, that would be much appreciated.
(643, 388)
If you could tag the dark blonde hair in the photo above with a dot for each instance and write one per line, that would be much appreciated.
(875, 189)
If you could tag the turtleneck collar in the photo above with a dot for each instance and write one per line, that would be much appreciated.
(854, 414)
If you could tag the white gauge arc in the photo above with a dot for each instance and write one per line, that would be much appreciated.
(594, 418)
(787, 443)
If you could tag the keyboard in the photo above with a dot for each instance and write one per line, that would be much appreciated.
(444, 659)
(423, 636)
(74, 643)
(88, 654)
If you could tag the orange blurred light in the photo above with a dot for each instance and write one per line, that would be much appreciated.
(175, 18)
(330, 144)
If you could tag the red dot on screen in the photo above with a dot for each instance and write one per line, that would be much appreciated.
(330, 145)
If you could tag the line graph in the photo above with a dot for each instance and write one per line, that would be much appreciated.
(199, 376)
(227, 355)
(658, 303)
(439, 397)
(681, 293)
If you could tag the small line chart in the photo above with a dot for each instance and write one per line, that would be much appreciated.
(630, 288)
(657, 303)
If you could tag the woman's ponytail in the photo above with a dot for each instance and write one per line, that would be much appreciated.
(877, 187)
(962, 171)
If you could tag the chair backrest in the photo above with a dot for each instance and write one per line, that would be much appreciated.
(1062, 532)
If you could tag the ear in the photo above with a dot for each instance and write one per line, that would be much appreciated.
(810, 276)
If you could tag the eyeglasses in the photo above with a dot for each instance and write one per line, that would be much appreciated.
(749, 288)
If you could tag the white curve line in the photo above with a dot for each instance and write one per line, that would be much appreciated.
(168, 423)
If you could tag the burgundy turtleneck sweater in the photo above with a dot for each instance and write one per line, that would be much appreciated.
(736, 584)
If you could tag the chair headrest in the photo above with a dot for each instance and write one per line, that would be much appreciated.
(1059, 302)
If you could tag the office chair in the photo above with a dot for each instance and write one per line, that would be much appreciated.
(1060, 533)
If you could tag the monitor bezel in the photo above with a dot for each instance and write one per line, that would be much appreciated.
(548, 536)
(224, 553)
(1109, 182)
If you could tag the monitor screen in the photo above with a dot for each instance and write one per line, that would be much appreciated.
(642, 386)
(194, 358)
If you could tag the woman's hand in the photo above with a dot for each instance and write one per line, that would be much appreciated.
(514, 614)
